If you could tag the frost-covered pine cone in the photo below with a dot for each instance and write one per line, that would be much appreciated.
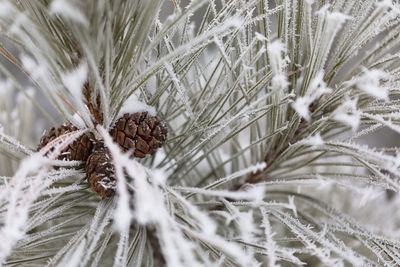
(79, 149)
(94, 108)
(100, 172)
(140, 133)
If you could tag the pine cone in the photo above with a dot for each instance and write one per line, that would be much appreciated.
(100, 172)
(80, 149)
(140, 133)
(94, 108)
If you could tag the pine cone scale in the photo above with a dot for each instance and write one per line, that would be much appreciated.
(79, 149)
(130, 129)
(100, 172)
(140, 133)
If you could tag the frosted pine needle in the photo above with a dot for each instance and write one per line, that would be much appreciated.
(282, 116)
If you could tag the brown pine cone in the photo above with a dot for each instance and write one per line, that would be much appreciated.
(100, 172)
(140, 133)
(79, 149)
(94, 108)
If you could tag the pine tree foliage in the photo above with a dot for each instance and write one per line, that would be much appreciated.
(265, 102)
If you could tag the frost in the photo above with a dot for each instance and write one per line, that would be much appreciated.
(276, 51)
(32, 67)
(370, 82)
(348, 114)
(67, 9)
(133, 105)
(336, 18)
(315, 140)
(181, 90)
(123, 215)
(388, 4)
(77, 121)
(75, 80)
(316, 89)
(368, 194)
(270, 244)
(260, 37)
(301, 106)
(239, 182)
(75, 258)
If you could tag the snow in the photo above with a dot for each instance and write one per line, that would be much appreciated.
(370, 83)
(19, 201)
(260, 37)
(66, 9)
(122, 214)
(314, 141)
(301, 106)
(278, 62)
(75, 80)
(133, 105)
(315, 90)
(33, 68)
(348, 114)
(335, 18)
(275, 51)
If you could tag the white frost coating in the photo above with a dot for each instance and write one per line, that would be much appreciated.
(74, 259)
(260, 37)
(251, 193)
(19, 20)
(348, 114)
(68, 10)
(316, 89)
(151, 205)
(20, 200)
(269, 244)
(251, 169)
(133, 105)
(315, 140)
(160, 176)
(122, 214)
(388, 4)
(148, 199)
(245, 219)
(32, 67)
(75, 80)
(77, 121)
(336, 17)
(180, 89)
(370, 83)
(276, 51)
(368, 194)
(301, 106)
(291, 205)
